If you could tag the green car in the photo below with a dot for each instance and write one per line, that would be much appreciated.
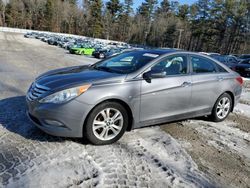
(82, 50)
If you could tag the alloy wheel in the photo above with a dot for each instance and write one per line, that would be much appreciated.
(107, 124)
(223, 107)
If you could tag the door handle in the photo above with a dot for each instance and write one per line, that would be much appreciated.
(186, 84)
(219, 78)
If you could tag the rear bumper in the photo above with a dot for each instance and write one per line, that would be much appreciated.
(71, 117)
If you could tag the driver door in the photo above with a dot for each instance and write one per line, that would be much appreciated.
(168, 93)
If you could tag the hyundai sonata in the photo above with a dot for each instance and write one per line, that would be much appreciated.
(131, 90)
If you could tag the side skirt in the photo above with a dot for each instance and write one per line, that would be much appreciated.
(173, 118)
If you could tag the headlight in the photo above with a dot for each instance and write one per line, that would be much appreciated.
(65, 95)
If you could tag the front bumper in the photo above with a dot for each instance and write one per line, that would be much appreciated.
(71, 116)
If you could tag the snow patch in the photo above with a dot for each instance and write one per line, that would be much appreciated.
(61, 172)
(246, 79)
(146, 157)
(242, 109)
(225, 134)
(167, 154)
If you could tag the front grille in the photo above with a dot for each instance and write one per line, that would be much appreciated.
(36, 91)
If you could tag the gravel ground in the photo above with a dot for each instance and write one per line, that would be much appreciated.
(191, 153)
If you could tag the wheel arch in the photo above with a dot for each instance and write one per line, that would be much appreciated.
(123, 103)
(230, 93)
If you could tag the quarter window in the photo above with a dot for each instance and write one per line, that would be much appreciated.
(173, 65)
(202, 65)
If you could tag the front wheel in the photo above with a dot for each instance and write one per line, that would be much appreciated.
(222, 108)
(106, 123)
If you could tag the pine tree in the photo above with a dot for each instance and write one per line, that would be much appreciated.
(125, 21)
(2, 13)
(183, 11)
(114, 7)
(95, 22)
(48, 15)
(146, 11)
(164, 7)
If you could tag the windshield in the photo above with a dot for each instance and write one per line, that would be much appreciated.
(126, 63)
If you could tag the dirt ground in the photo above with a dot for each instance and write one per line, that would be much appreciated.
(190, 153)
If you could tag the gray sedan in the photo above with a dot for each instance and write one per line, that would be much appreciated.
(131, 90)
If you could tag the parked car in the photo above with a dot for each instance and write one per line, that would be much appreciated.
(244, 56)
(99, 53)
(131, 90)
(52, 41)
(30, 35)
(228, 60)
(76, 44)
(82, 50)
(243, 68)
(104, 53)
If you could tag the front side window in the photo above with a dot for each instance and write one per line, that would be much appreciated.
(173, 65)
(202, 65)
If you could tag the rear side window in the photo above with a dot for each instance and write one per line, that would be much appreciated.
(202, 65)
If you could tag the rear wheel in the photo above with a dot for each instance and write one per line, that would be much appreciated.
(222, 108)
(106, 123)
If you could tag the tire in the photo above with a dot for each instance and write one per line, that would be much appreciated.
(101, 56)
(221, 109)
(95, 135)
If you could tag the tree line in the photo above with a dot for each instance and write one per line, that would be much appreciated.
(221, 26)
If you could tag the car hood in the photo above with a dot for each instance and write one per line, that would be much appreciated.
(73, 76)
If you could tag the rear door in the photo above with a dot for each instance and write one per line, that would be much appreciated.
(207, 83)
(169, 95)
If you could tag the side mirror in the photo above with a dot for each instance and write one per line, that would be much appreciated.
(146, 76)
(153, 74)
(158, 74)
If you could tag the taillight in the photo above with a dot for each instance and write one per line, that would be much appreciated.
(240, 80)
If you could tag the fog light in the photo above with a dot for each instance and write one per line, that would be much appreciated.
(53, 122)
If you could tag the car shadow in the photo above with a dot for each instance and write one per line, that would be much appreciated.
(14, 119)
